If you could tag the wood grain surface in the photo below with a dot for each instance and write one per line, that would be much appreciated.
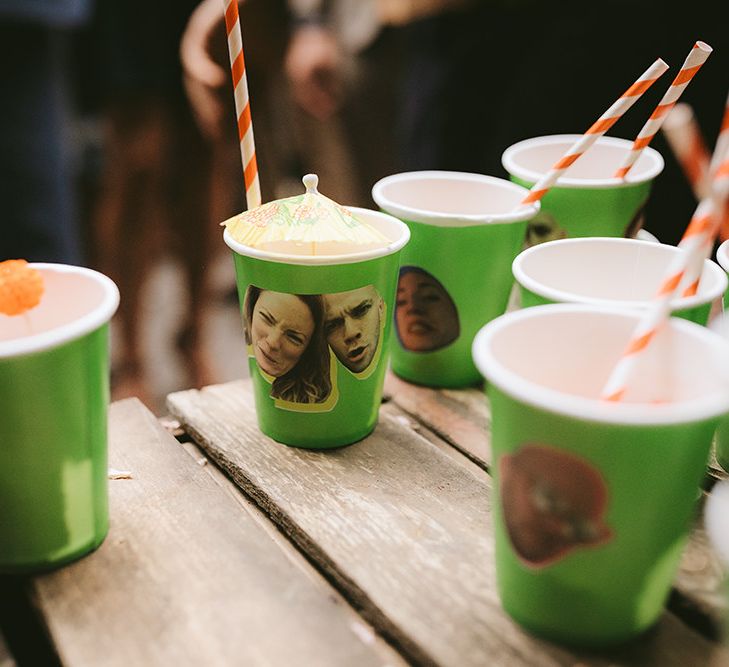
(404, 531)
(187, 577)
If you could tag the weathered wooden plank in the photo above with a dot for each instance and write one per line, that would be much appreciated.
(404, 531)
(461, 417)
(187, 577)
(455, 415)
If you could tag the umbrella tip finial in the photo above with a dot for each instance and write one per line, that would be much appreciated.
(311, 181)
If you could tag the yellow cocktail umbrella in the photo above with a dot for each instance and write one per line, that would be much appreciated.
(307, 224)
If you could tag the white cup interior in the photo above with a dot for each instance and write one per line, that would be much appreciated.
(616, 271)
(451, 198)
(559, 357)
(532, 158)
(75, 301)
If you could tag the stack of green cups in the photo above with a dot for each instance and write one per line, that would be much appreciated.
(54, 395)
(317, 329)
(456, 271)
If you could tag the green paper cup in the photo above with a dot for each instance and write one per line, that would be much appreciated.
(317, 331)
(587, 200)
(609, 272)
(593, 500)
(722, 433)
(54, 395)
(455, 275)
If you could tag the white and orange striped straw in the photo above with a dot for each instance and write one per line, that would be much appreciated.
(242, 104)
(599, 127)
(701, 232)
(722, 142)
(695, 59)
(716, 164)
(719, 197)
(684, 137)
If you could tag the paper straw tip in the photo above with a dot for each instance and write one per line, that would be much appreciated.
(703, 46)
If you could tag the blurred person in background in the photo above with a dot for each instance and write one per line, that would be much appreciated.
(154, 195)
(39, 219)
(333, 115)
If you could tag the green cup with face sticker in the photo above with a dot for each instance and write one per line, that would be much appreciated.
(54, 395)
(588, 200)
(593, 500)
(316, 329)
(456, 271)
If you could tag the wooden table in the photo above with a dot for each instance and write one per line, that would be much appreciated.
(229, 549)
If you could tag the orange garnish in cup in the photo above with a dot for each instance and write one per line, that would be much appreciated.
(21, 287)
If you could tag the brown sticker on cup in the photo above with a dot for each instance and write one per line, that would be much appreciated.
(553, 503)
(426, 318)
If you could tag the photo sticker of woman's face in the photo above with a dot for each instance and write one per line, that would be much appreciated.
(553, 503)
(281, 328)
(426, 318)
(352, 326)
(286, 334)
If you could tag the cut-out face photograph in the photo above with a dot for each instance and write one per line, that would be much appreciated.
(426, 318)
(543, 227)
(352, 326)
(286, 334)
(553, 503)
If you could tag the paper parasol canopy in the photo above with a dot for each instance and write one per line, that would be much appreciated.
(307, 224)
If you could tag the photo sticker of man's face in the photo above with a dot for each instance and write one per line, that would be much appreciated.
(426, 318)
(352, 326)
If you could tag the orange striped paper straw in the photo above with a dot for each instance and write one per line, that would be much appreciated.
(242, 104)
(719, 194)
(701, 232)
(722, 142)
(718, 158)
(600, 127)
(695, 59)
(684, 137)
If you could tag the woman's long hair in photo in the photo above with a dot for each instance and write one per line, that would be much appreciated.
(309, 380)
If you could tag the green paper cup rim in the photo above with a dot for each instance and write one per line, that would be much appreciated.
(454, 217)
(69, 331)
(708, 294)
(509, 160)
(399, 232)
(709, 406)
(722, 255)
